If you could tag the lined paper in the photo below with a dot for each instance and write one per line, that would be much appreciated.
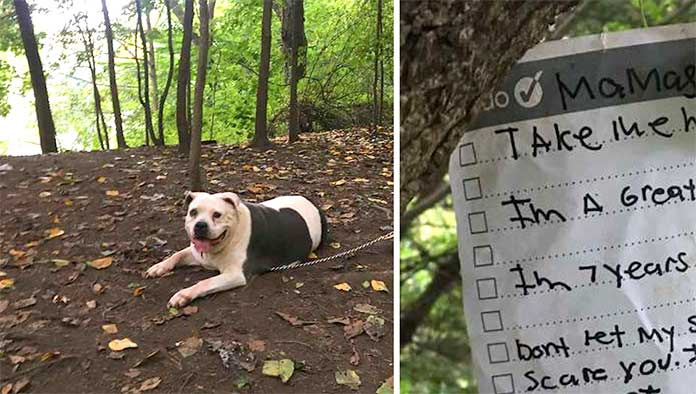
(575, 199)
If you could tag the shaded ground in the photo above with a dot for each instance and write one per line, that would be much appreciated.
(61, 211)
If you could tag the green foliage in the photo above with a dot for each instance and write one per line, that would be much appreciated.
(336, 90)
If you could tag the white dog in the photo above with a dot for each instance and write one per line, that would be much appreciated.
(240, 239)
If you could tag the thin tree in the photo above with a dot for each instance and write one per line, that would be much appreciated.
(86, 35)
(183, 125)
(170, 73)
(152, 62)
(195, 173)
(145, 98)
(47, 130)
(298, 43)
(120, 139)
(261, 134)
(378, 95)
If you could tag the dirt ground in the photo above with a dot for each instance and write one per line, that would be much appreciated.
(64, 213)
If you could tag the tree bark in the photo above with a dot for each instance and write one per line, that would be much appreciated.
(149, 127)
(120, 138)
(197, 181)
(452, 54)
(183, 81)
(298, 42)
(153, 71)
(91, 62)
(261, 134)
(376, 101)
(47, 130)
(445, 277)
(170, 72)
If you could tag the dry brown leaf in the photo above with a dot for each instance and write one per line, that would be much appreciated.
(257, 345)
(190, 346)
(335, 245)
(138, 291)
(6, 283)
(101, 263)
(354, 329)
(20, 385)
(112, 193)
(110, 328)
(150, 384)
(339, 182)
(101, 179)
(190, 310)
(17, 253)
(6, 389)
(343, 286)
(120, 344)
(54, 232)
(378, 285)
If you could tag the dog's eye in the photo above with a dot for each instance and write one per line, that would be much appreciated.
(217, 215)
(193, 212)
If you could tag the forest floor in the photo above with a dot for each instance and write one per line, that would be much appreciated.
(122, 211)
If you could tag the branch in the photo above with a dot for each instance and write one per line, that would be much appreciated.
(444, 279)
(423, 205)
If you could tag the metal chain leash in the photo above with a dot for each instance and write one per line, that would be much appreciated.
(299, 264)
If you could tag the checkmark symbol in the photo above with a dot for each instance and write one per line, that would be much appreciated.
(526, 94)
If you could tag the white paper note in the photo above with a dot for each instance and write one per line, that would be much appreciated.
(575, 199)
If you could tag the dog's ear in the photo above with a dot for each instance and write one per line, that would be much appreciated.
(231, 198)
(189, 196)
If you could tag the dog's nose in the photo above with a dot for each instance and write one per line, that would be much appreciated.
(200, 229)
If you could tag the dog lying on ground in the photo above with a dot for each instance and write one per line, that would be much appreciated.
(241, 239)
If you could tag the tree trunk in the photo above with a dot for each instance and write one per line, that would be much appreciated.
(197, 177)
(47, 130)
(298, 42)
(452, 54)
(153, 71)
(183, 81)
(375, 79)
(261, 134)
(149, 127)
(120, 139)
(170, 73)
(98, 112)
(380, 37)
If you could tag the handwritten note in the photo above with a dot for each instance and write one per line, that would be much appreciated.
(575, 196)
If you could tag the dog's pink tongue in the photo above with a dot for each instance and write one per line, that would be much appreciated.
(202, 246)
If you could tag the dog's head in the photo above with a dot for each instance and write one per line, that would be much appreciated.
(211, 219)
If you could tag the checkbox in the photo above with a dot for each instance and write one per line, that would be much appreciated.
(472, 189)
(498, 353)
(478, 223)
(483, 255)
(503, 384)
(487, 289)
(492, 321)
(467, 155)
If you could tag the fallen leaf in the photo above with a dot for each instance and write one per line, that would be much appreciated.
(25, 303)
(110, 328)
(132, 373)
(3, 305)
(366, 308)
(20, 385)
(340, 320)
(299, 284)
(17, 253)
(340, 182)
(6, 283)
(257, 345)
(343, 286)
(378, 285)
(120, 344)
(387, 387)
(348, 378)
(112, 193)
(354, 329)
(91, 304)
(366, 284)
(15, 359)
(101, 179)
(54, 232)
(44, 194)
(355, 357)
(60, 263)
(190, 346)
(150, 384)
(374, 327)
(6, 389)
(313, 256)
(138, 291)
(335, 245)
(294, 321)
(97, 288)
(280, 368)
(101, 263)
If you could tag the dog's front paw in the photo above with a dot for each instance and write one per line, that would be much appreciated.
(180, 299)
(159, 269)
